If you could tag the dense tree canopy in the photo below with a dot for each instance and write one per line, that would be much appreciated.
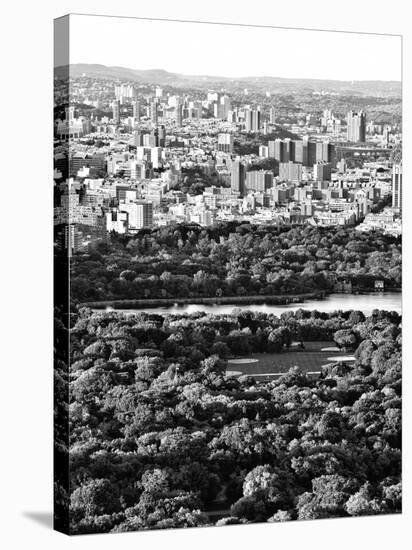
(160, 436)
(234, 259)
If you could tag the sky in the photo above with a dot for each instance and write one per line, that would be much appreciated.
(233, 51)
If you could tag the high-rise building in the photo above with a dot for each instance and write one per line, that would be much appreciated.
(124, 91)
(179, 114)
(225, 143)
(222, 107)
(136, 110)
(322, 171)
(290, 171)
(341, 166)
(238, 173)
(259, 180)
(325, 152)
(356, 130)
(137, 138)
(252, 120)
(397, 186)
(274, 148)
(153, 112)
(272, 115)
(280, 150)
(162, 136)
(150, 140)
(311, 157)
(140, 214)
(116, 111)
(301, 152)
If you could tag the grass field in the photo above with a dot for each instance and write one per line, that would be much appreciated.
(310, 359)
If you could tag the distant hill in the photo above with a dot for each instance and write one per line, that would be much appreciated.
(165, 78)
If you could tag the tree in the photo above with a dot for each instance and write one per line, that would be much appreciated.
(95, 497)
(345, 339)
(275, 341)
(362, 503)
(249, 508)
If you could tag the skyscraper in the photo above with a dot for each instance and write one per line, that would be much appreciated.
(325, 152)
(280, 150)
(259, 180)
(252, 120)
(356, 130)
(238, 174)
(322, 171)
(397, 186)
(136, 110)
(272, 115)
(290, 171)
(116, 111)
(179, 114)
(137, 138)
(222, 107)
(301, 152)
(153, 111)
(162, 136)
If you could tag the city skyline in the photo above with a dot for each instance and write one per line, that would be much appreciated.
(191, 49)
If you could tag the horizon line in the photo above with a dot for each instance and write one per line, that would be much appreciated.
(227, 77)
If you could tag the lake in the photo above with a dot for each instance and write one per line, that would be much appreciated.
(390, 301)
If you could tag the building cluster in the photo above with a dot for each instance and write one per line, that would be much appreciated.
(137, 163)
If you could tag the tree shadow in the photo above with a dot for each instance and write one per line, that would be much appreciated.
(42, 518)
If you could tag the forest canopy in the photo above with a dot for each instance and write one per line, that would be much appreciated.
(161, 437)
(234, 259)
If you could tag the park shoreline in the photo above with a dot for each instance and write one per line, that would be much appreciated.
(283, 299)
(212, 300)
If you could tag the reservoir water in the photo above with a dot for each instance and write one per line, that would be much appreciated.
(390, 301)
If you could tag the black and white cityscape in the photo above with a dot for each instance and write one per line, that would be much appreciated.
(228, 350)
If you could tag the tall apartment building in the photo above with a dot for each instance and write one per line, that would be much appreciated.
(272, 115)
(222, 107)
(252, 120)
(225, 106)
(259, 180)
(290, 171)
(322, 171)
(303, 151)
(161, 132)
(280, 149)
(238, 174)
(179, 114)
(140, 214)
(136, 110)
(124, 91)
(154, 112)
(356, 130)
(325, 152)
(116, 111)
